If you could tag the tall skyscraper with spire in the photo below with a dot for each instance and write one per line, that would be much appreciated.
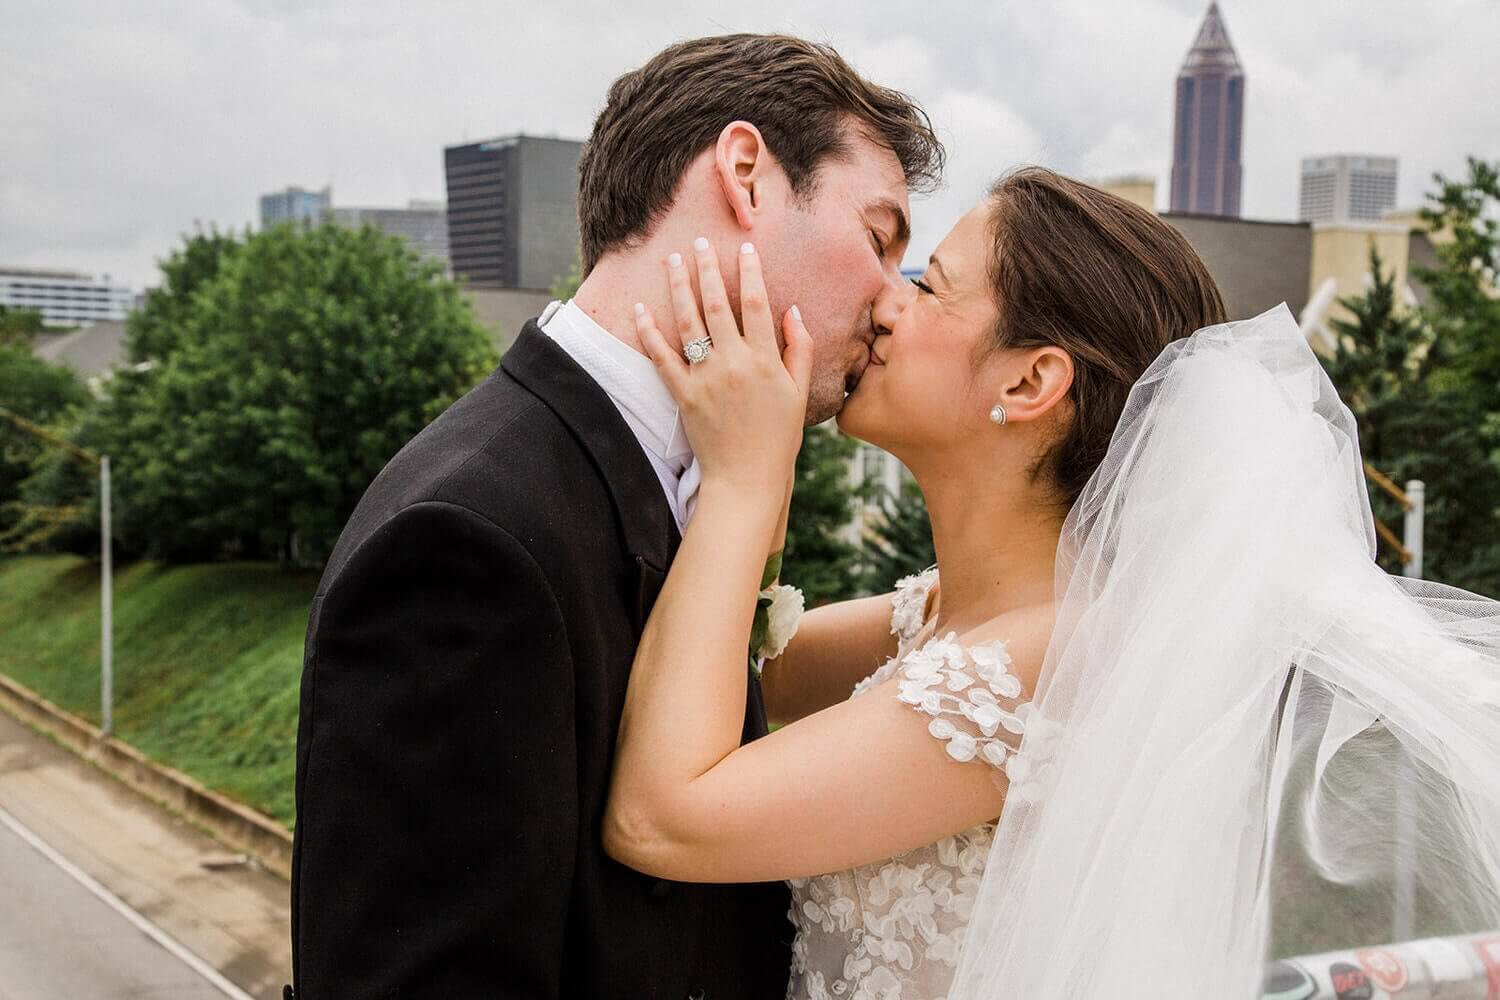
(1208, 124)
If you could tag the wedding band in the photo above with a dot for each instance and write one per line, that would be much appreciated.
(697, 351)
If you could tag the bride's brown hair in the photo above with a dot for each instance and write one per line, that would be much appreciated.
(1076, 267)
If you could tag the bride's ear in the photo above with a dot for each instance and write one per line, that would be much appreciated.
(1042, 378)
(741, 163)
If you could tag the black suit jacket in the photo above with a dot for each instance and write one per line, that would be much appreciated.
(464, 673)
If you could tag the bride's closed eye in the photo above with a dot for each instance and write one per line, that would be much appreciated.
(922, 285)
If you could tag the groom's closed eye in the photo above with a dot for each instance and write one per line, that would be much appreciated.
(898, 223)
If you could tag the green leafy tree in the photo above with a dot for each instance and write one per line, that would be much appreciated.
(277, 376)
(19, 327)
(1419, 417)
(899, 541)
(820, 558)
(1463, 307)
(1463, 310)
(152, 330)
(43, 394)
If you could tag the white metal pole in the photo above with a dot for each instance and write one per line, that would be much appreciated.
(1404, 891)
(106, 605)
(1416, 495)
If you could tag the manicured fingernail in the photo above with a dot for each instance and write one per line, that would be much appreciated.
(797, 314)
(675, 260)
(640, 311)
(747, 248)
(700, 245)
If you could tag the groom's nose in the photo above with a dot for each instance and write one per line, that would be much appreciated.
(890, 304)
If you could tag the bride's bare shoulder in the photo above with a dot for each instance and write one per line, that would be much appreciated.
(1026, 632)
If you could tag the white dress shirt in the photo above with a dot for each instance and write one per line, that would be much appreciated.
(630, 380)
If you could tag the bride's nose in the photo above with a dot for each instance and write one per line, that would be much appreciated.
(890, 304)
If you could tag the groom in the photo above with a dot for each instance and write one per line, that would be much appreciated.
(469, 643)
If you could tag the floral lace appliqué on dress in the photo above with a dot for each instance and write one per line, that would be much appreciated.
(893, 930)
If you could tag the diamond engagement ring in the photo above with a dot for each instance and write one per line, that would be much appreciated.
(697, 351)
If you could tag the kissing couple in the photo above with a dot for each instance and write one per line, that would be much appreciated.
(1154, 671)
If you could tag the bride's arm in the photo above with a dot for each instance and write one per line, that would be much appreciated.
(836, 647)
(853, 783)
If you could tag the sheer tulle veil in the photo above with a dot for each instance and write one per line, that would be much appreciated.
(1239, 709)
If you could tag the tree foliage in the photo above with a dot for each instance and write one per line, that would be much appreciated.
(821, 558)
(152, 331)
(43, 394)
(898, 542)
(271, 378)
(19, 327)
(1424, 386)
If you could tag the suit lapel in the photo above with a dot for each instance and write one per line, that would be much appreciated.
(641, 509)
(645, 519)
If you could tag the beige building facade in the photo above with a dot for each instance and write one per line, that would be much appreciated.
(1308, 265)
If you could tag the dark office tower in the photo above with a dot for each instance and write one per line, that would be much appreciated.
(512, 210)
(1209, 123)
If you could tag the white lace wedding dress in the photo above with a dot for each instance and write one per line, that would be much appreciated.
(893, 930)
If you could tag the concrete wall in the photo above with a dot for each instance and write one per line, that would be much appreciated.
(503, 311)
(1256, 264)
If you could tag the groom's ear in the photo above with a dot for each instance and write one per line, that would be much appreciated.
(742, 163)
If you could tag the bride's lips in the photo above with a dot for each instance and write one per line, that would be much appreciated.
(851, 380)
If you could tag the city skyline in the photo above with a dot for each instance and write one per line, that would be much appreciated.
(120, 155)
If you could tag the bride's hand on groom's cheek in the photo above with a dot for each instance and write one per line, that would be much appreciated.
(743, 406)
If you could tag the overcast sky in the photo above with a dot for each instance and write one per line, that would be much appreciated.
(122, 122)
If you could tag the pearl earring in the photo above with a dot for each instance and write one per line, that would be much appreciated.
(997, 415)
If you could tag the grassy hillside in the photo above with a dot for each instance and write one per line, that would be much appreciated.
(207, 662)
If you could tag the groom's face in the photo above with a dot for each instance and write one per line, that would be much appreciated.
(840, 253)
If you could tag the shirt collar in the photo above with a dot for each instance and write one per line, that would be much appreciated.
(627, 376)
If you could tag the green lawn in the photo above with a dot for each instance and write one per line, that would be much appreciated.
(207, 662)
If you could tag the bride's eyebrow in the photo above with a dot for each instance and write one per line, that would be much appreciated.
(937, 266)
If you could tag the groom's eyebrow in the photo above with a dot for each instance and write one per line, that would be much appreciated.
(898, 215)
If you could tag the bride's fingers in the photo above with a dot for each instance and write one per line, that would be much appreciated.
(719, 318)
(668, 359)
(755, 305)
(686, 321)
(798, 355)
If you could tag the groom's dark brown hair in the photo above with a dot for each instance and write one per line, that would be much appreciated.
(802, 97)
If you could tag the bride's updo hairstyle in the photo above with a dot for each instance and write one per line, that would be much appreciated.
(1107, 281)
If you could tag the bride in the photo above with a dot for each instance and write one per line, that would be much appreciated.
(1065, 761)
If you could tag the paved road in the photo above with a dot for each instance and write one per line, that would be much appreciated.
(58, 939)
(160, 868)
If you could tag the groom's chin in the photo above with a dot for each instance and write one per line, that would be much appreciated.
(824, 405)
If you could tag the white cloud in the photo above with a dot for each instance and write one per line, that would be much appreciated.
(125, 121)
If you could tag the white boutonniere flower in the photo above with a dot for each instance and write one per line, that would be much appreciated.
(783, 607)
(778, 609)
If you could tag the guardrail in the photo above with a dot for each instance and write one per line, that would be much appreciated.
(1451, 968)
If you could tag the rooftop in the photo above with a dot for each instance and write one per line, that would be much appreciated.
(1212, 49)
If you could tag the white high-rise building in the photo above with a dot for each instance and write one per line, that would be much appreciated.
(64, 298)
(1347, 188)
